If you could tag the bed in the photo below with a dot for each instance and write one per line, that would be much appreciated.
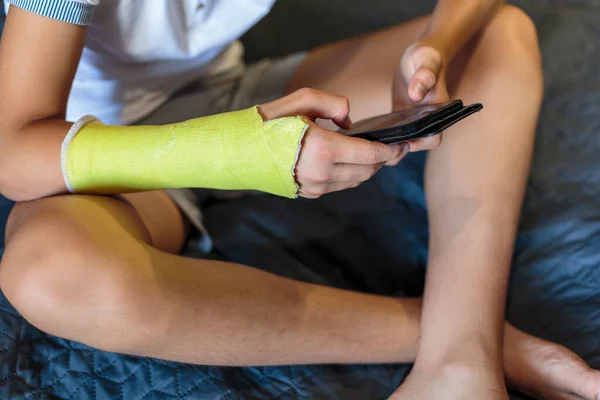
(373, 243)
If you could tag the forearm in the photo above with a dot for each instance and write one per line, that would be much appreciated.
(236, 150)
(454, 22)
(30, 160)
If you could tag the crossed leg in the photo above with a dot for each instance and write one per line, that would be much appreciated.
(102, 271)
(485, 71)
(82, 267)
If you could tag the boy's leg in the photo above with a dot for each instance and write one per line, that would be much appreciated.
(82, 268)
(67, 244)
(362, 69)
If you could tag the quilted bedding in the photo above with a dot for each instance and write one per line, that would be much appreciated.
(374, 239)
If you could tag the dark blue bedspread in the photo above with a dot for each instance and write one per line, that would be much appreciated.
(374, 239)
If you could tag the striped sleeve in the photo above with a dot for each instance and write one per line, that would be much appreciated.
(78, 12)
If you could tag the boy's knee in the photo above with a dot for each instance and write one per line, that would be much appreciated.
(63, 280)
(512, 29)
(518, 22)
(508, 49)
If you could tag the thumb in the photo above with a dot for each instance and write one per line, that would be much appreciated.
(424, 64)
(421, 83)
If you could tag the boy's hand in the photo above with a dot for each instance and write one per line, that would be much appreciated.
(329, 161)
(421, 80)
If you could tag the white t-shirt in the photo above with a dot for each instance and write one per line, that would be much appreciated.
(138, 52)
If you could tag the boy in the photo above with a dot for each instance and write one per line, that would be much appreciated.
(102, 270)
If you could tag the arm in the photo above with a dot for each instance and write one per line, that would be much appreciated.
(39, 57)
(38, 60)
(454, 22)
(422, 73)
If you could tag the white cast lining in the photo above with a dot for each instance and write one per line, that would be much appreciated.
(81, 122)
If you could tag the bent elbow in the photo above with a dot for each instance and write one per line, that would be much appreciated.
(10, 186)
(5, 181)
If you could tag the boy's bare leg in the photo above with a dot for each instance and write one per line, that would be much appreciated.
(474, 186)
(80, 267)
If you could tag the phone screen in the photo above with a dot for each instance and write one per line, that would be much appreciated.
(394, 119)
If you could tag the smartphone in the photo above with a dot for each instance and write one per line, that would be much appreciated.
(411, 124)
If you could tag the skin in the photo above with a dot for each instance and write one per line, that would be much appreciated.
(474, 186)
(148, 302)
(37, 68)
(58, 244)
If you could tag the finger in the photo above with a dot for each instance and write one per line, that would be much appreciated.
(395, 161)
(359, 151)
(421, 83)
(420, 66)
(311, 103)
(354, 173)
(427, 143)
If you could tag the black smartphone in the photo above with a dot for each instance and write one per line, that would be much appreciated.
(402, 126)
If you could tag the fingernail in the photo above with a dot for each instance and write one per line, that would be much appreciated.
(419, 89)
(406, 149)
